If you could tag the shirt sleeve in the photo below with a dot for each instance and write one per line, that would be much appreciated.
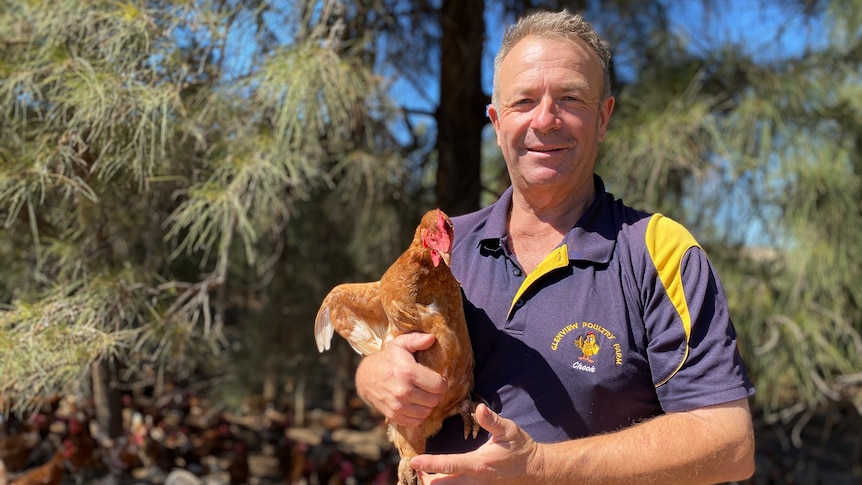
(691, 341)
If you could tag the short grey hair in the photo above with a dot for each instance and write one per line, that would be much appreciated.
(554, 25)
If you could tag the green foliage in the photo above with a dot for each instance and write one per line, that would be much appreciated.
(47, 343)
(658, 141)
(148, 180)
(761, 160)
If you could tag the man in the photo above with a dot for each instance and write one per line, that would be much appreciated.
(601, 333)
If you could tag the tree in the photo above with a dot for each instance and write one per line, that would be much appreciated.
(460, 114)
(149, 161)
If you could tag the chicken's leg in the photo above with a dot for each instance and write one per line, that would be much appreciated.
(409, 442)
(468, 414)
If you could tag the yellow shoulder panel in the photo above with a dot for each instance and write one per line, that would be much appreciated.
(667, 242)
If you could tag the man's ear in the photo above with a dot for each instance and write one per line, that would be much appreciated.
(605, 116)
(491, 110)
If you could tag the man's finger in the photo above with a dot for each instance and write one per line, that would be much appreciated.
(489, 420)
(431, 383)
(442, 464)
(411, 342)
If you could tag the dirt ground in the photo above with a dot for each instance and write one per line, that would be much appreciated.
(186, 443)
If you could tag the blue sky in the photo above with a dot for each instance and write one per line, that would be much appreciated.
(767, 32)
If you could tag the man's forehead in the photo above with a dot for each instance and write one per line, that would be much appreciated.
(533, 58)
(555, 43)
(536, 51)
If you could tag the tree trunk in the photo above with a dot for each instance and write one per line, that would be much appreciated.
(299, 400)
(461, 114)
(107, 401)
(270, 381)
(343, 378)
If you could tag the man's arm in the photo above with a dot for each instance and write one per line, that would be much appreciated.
(707, 445)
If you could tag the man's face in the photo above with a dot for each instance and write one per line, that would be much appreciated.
(550, 117)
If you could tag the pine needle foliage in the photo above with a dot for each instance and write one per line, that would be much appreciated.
(761, 159)
(151, 154)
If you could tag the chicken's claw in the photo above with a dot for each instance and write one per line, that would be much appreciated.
(406, 474)
(468, 414)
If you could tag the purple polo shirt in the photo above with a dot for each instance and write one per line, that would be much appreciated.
(624, 321)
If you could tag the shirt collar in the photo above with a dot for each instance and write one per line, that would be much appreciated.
(592, 239)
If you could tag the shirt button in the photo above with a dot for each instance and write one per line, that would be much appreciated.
(516, 271)
(519, 303)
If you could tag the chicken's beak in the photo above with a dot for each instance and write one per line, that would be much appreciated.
(447, 258)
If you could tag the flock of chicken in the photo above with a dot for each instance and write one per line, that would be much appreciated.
(176, 443)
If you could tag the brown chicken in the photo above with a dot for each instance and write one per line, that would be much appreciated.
(50, 473)
(86, 447)
(416, 294)
(238, 467)
(15, 448)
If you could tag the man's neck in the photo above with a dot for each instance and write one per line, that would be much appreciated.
(538, 213)
(538, 224)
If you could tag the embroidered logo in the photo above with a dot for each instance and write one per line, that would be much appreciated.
(587, 344)
(588, 347)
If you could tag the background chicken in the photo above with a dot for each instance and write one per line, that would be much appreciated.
(16, 446)
(50, 473)
(416, 294)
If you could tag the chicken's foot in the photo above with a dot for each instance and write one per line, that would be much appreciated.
(468, 414)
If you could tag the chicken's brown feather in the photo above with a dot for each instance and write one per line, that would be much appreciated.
(353, 310)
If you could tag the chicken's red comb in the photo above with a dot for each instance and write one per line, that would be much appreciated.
(442, 227)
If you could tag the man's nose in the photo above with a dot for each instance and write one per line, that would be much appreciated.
(546, 116)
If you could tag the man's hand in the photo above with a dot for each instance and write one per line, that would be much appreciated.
(509, 455)
(396, 385)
